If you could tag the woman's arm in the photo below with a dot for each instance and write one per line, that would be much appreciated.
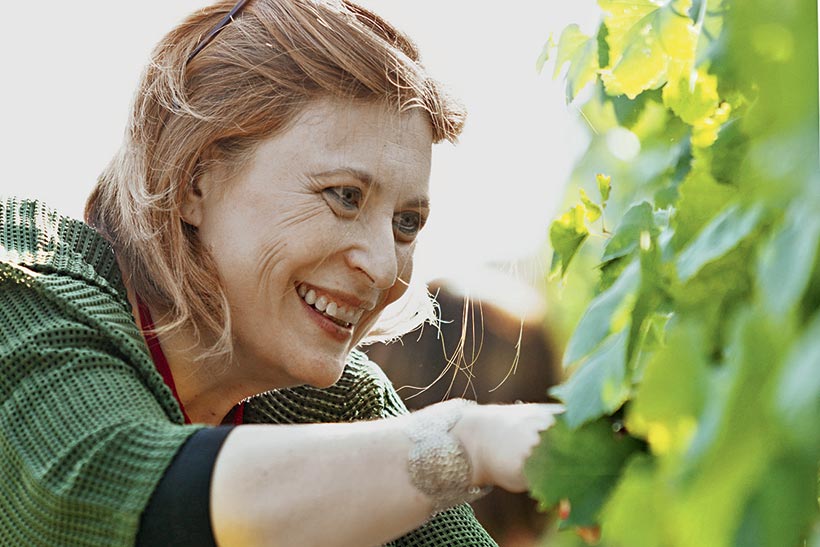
(348, 484)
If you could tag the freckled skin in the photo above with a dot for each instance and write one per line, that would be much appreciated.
(275, 225)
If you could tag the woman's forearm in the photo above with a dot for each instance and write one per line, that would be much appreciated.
(349, 485)
(323, 484)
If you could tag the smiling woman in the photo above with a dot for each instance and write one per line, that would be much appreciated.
(164, 367)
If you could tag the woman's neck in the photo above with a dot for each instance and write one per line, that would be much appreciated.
(206, 390)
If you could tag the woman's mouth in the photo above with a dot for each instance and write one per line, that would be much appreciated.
(336, 312)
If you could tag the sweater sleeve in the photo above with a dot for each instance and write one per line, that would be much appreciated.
(86, 433)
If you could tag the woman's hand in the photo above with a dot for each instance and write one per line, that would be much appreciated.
(499, 438)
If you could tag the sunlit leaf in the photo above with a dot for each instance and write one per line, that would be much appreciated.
(645, 39)
(693, 96)
(701, 198)
(604, 187)
(567, 233)
(545, 54)
(582, 53)
(593, 210)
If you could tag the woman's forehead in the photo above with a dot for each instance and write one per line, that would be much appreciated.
(361, 140)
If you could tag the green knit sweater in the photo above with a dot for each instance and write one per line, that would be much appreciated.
(87, 426)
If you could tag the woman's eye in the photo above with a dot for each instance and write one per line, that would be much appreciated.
(408, 224)
(348, 197)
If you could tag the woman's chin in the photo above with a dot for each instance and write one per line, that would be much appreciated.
(322, 374)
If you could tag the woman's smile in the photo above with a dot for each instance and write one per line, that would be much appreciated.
(335, 315)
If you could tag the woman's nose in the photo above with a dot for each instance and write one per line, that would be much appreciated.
(374, 255)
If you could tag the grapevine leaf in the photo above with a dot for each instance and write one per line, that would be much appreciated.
(672, 392)
(735, 443)
(600, 386)
(638, 495)
(582, 53)
(645, 38)
(717, 238)
(638, 218)
(781, 509)
(701, 198)
(693, 96)
(567, 233)
(604, 187)
(728, 151)
(545, 54)
(785, 261)
(593, 210)
(628, 111)
(596, 323)
(580, 465)
(603, 47)
(797, 398)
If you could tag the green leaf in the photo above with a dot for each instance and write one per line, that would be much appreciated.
(567, 233)
(637, 511)
(645, 38)
(735, 443)
(720, 236)
(781, 509)
(693, 96)
(628, 111)
(626, 238)
(545, 54)
(728, 152)
(603, 47)
(581, 51)
(597, 322)
(797, 396)
(701, 199)
(594, 210)
(581, 465)
(785, 262)
(600, 385)
(672, 392)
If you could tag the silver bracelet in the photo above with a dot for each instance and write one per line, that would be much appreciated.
(438, 463)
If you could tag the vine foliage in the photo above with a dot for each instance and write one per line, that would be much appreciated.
(693, 404)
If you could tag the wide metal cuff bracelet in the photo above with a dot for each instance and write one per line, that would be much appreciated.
(438, 464)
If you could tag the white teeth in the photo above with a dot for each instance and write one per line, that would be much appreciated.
(310, 297)
(327, 306)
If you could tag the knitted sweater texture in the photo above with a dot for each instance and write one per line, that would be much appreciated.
(87, 425)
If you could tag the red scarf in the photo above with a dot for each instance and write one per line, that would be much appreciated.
(162, 363)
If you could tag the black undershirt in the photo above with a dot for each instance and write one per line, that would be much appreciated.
(178, 513)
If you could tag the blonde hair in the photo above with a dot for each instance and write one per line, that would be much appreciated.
(248, 84)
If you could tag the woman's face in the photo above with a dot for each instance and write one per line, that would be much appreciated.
(315, 236)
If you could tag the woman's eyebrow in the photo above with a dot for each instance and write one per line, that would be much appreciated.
(362, 176)
(421, 202)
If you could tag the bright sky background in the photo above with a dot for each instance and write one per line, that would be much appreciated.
(69, 74)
